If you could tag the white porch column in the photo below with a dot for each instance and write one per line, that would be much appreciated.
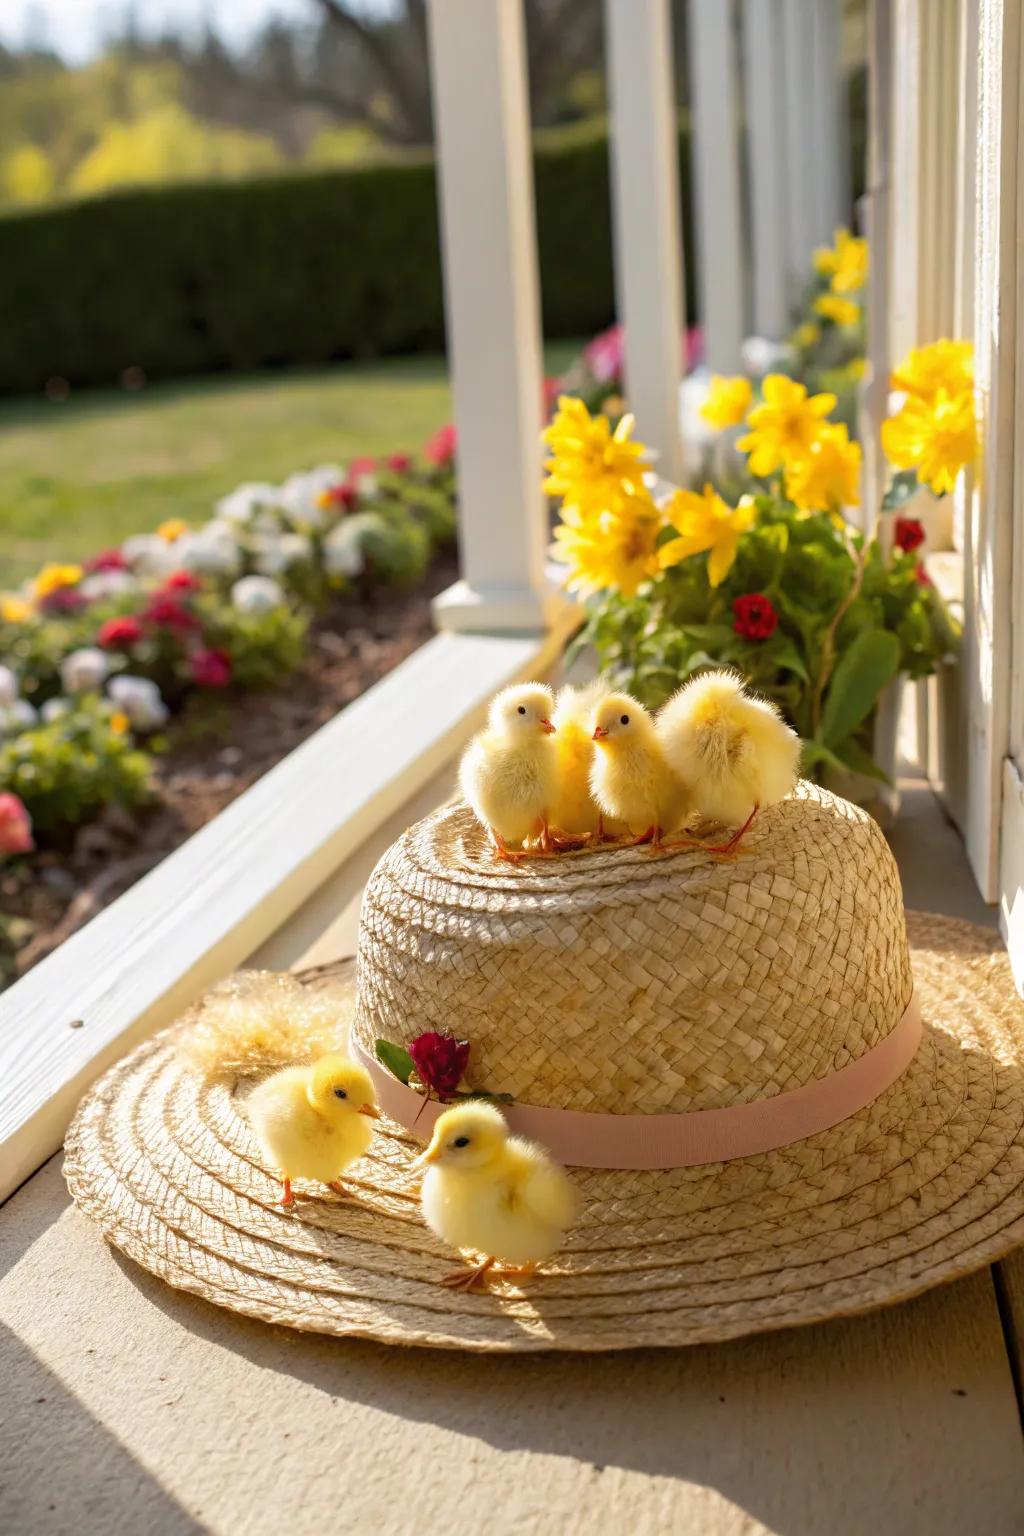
(715, 152)
(800, 212)
(645, 199)
(764, 86)
(481, 113)
(877, 208)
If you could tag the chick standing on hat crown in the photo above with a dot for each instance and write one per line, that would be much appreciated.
(734, 751)
(313, 1122)
(509, 773)
(631, 780)
(493, 1193)
(576, 815)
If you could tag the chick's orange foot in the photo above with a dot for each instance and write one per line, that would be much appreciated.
(469, 1279)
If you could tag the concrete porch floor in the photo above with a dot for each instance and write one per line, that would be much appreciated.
(128, 1407)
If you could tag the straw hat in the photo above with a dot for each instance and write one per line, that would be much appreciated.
(605, 984)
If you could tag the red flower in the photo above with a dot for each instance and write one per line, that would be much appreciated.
(181, 581)
(441, 448)
(363, 466)
(908, 534)
(210, 669)
(107, 560)
(165, 611)
(120, 634)
(63, 600)
(15, 826)
(921, 576)
(753, 616)
(344, 496)
(440, 1061)
(399, 463)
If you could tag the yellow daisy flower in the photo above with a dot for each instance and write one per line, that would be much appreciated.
(841, 311)
(14, 610)
(785, 425)
(53, 577)
(728, 401)
(609, 549)
(806, 336)
(937, 437)
(947, 365)
(172, 529)
(706, 522)
(845, 263)
(591, 467)
(828, 476)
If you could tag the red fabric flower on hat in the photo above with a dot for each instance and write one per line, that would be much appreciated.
(908, 534)
(120, 634)
(753, 616)
(210, 669)
(440, 1061)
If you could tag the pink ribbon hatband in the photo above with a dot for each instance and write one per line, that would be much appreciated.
(586, 1140)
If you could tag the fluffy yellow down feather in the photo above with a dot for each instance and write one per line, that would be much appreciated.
(313, 1122)
(259, 1020)
(509, 773)
(631, 779)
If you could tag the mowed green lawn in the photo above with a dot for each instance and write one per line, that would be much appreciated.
(79, 475)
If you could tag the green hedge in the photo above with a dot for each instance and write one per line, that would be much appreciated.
(296, 269)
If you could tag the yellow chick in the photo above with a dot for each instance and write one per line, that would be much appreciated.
(735, 751)
(509, 773)
(493, 1193)
(631, 780)
(312, 1122)
(574, 812)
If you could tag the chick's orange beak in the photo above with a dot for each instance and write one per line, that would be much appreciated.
(547, 727)
(370, 1110)
(600, 732)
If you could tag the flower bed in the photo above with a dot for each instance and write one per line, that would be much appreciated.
(109, 666)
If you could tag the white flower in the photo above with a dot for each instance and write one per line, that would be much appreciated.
(256, 594)
(103, 584)
(300, 494)
(343, 554)
(140, 700)
(274, 554)
(55, 709)
(247, 501)
(84, 671)
(8, 687)
(149, 555)
(211, 551)
(19, 716)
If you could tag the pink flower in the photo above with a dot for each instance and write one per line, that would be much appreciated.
(15, 825)
(120, 634)
(181, 581)
(440, 1061)
(551, 388)
(63, 600)
(210, 669)
(604, 355)
(693, 348)
(107, 560)
(442, 446)
(399, 463)
(363, 466)
(165, 611)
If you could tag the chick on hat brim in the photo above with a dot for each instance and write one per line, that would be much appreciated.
(925, 1184)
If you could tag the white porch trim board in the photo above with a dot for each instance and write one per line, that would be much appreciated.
(492, 306)
(764, 86)
(711, 37)
(209, 905)
(647, 227)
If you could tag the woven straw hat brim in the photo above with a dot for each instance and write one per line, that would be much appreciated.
(925, 1184)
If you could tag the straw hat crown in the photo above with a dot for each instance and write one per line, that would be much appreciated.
(622, 983)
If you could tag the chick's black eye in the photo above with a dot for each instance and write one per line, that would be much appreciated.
(339, 1093)
(461, 1141)
(522, 711)
(623, 719)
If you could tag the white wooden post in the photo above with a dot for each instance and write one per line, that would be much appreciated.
(715, 156)
(481, 113)
(801, 178)
(645, 198)
(764, 88)
(830, 165)
(877, 200)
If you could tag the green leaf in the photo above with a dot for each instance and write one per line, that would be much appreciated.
(710, 636)
(781, 651)
(861, 673)
(860, 760)
(814, 753)
(902, 487)
(396, 1058)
